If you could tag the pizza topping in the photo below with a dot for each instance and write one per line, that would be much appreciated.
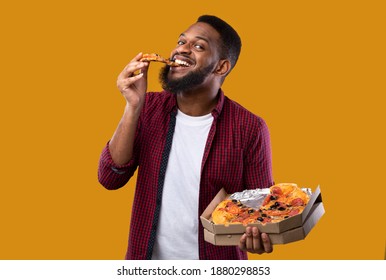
(266, 200)
(294, 212)
(277, 205)
(276, 191)
(297, 202)
(283, 201)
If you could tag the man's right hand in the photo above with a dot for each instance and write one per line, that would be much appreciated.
(133, 87)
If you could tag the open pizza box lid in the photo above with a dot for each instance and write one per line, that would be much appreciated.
(292, 223)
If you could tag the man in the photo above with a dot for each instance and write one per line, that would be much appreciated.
(189, 141)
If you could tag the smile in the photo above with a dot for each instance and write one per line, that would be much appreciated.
(182, 63)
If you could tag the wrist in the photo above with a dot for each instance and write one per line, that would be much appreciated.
(131, 111)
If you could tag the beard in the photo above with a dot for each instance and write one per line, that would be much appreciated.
(185, 83)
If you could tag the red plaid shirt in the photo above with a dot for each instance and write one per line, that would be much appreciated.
(237, 156)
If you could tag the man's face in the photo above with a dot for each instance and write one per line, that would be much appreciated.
(198, 48)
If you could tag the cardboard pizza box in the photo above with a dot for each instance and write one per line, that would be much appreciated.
(285, 237)
(289, 230)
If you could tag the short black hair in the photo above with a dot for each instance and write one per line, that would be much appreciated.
(231, 43)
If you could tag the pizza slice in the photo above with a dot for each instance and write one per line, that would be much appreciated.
(284, 195)
(226, 211)
(148, 57)
(234, 212)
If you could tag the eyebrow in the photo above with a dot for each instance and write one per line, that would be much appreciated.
(198, 37)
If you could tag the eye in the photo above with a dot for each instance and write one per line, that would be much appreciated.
(180, 42)
(199, 47)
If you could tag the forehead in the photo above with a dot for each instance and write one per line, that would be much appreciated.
(202, 30)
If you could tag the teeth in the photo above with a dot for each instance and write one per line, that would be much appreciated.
(181, 62)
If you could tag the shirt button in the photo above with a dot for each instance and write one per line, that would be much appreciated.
(116, 170)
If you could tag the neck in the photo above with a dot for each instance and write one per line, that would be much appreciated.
(197, 102)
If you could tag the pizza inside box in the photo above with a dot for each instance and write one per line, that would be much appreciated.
(289, 230)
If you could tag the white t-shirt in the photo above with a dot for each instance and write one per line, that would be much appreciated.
(177, 235)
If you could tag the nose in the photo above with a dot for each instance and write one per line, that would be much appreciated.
(183, 49)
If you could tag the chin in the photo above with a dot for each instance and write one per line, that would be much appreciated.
(173, 75)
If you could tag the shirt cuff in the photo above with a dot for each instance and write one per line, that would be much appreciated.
(108, 162)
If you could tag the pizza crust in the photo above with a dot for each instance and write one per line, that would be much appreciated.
(219, 215)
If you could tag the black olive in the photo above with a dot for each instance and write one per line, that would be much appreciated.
(288, 205)
(281, 208)
(264, 215)
(273, 197)
(285, 217)
(274, 206)
(260, 210)
(234, 200)
(260, 219)
(250, 211)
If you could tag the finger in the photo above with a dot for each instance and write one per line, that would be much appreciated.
(142, 67)
(242, 244)
(145, 69)
(126, 83)
(127, 71)
(137, 57)
(256, 240)
(249, 242)
(145, 64)
(268, 248)
(131, 68)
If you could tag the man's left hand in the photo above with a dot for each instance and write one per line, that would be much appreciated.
(255, 242)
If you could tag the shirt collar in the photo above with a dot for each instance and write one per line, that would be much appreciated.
(172, 104)
(220, 104)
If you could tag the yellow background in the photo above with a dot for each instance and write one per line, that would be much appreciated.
(314, 70)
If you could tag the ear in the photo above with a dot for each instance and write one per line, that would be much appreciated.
(223, 67)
